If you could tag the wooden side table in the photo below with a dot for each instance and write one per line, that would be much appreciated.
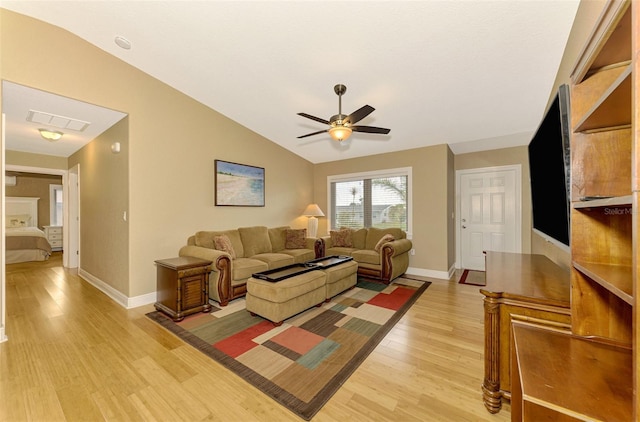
(183, 286)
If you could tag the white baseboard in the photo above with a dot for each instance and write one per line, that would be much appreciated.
(3, 337)
(117, 296)
(142, 300)
(444, 275)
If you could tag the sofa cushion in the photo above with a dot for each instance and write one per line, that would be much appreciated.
(341, 238)
(222, 243)
(295, 239)
(384, 239)
(366, 256)
(255, 240)
(358, 238)
(339, 251)
(244, 267)
(205, 240)
(300, 255)
(374, 235)
(274, 260)
(277, 238)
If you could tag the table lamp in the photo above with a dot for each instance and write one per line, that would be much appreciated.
(312, 211)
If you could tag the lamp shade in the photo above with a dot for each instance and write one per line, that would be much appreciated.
(313, 210)
(340, 133)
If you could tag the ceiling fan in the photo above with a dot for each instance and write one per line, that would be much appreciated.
(341, 124)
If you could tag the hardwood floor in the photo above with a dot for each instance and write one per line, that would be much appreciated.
(75, 355)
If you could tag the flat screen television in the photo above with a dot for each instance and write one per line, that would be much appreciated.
(549, 166)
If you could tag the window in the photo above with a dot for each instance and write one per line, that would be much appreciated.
(375, 199)
(55, 205)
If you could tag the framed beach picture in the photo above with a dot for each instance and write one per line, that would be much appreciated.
(238, 185)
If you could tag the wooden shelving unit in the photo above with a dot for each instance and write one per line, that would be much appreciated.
(602, 231)
(599, 356)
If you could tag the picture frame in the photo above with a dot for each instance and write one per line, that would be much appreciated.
(238, 185)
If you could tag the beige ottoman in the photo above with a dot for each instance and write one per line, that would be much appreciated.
(277, 301)
(340, 278)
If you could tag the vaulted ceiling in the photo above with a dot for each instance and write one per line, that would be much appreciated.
(472, 74)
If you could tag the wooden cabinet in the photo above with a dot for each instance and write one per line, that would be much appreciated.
(519, 287)
(599, 358)
(183, 286)
(54, 236)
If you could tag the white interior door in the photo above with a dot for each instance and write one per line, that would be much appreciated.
(489, 217)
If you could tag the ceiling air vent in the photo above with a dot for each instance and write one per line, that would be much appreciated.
(61, 122)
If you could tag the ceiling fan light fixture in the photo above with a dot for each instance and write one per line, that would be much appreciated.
(50, 135)
(340, 133)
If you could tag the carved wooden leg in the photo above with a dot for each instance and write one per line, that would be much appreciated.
(491, 386)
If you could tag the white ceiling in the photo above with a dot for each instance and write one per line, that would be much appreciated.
(476, 75)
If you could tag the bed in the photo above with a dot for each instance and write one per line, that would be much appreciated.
(24, 240)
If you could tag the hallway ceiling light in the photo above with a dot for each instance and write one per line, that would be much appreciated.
(50, 135)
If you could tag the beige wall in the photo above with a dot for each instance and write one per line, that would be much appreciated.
(26, 159)
(173, 142)
(451, 209)
(104, 193)
(431, 170)
(35, 186)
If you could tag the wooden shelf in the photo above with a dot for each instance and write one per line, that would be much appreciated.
(612, 109)
(616, 201)
(562, 376)
(617, 279)
(610, 41)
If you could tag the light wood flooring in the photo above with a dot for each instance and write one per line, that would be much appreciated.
(75, 355)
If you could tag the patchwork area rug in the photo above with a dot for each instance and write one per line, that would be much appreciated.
(473, 278)
(302, 363)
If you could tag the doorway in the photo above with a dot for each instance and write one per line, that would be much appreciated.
(70, 205)
(489, 213)
(24, 111)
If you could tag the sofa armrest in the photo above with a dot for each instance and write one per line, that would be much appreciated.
(394, 257)
(326, 240)
(317, 245)
(220, 279)
(398, 247)
(201, 252)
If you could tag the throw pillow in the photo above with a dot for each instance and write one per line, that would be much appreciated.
(341, 238)
(222, 243)
(18, 220)
(295, 239)
(386, 238)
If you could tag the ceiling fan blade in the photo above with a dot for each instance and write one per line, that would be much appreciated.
(314, 133)
(359, 114)
(370, 129)
(317, 119)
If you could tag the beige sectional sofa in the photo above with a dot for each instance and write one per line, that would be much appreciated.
(238, 253)
(377, 259)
